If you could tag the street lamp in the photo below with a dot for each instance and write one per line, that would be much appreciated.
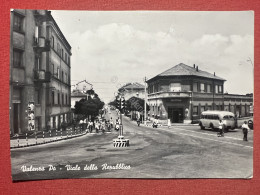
(145, 101)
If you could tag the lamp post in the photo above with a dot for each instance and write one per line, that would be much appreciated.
(251, 62)
(145, 101)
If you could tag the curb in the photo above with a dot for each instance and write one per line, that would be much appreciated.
(29, 145)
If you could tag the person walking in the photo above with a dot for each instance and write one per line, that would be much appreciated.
(111, 122)
(245, 129)
(90, 126)
(97, 126)
(221, 132)
(169, 123)
(85, 124)
(81, 124)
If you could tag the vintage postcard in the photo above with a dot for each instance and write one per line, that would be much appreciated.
(131, 94)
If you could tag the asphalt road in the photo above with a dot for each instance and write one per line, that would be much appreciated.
(178, 152)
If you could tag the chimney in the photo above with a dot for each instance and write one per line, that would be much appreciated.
(194, 65)
(197, 68)
(214, 74)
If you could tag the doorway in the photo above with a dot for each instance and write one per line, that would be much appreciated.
(16, 124)
(175, 115)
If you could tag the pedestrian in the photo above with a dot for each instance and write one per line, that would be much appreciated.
(169, 123)
(245, 129)
(85, 123)
(111, 122)
(81, 124)
(97, 126)
(103, 126)
(90, 126)
(221, 132)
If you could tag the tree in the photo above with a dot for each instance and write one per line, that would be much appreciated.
(89, 106)
(136, 104)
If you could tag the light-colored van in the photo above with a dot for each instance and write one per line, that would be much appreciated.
(210, 119)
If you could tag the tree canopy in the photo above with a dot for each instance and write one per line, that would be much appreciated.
(136, 104)
(90, 105)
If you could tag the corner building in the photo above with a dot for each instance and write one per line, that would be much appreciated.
(182, 92)
(39, 72)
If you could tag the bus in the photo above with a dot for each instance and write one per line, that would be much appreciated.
(210, 119)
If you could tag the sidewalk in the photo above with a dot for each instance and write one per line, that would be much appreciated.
(45, 138)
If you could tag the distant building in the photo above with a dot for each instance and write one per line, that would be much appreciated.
(76, 96)
(132, 90)
(182, 92)
(82, 86)
(80, 91)
(39, 72)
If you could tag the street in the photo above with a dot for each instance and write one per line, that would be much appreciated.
(182, 151)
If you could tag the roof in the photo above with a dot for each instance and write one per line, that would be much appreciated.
(132, 86)
(218, 112)
(185, 70)
(77, 93)
(58, 28)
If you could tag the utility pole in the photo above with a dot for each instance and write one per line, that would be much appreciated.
(145, 101)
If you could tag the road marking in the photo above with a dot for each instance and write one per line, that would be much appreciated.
(208, 139)
(210, 134)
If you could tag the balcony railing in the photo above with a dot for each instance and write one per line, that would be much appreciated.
(42, 76)
(41, 44)
(168, 94)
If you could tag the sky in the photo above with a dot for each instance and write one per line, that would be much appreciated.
(111, 48)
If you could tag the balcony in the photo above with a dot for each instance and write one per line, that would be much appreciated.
(42, 16)
(169, 94)
(41, 44)
(41, 76)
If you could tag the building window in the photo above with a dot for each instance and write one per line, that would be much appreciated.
(195, 87)
(185, 88)
(58, 48)
(66, 78)
(62, 53)
(202, 87)
(58, 98)
(175, 87)
(216, 88)
(220, 89)
(202, 108)
(68, 60)
(17, 58)
(66, 57)
(195, 110)
(37, 64)
(62, 99)
(58, 72)
(52, 41)
(62, 76)
(53, 69)
(209, 88)
(52, 98)
(18, 23)
(37, 97)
